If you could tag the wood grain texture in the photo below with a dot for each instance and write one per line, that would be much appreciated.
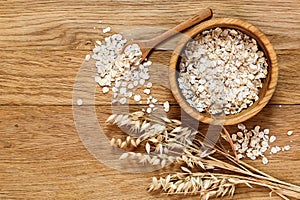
(43, 45)
(27, 79)
(42, 160)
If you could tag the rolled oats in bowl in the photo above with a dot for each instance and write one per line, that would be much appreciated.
(222, 71)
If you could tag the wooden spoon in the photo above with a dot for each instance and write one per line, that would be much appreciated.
(147, 45)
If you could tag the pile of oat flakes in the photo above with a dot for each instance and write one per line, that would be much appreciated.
(256, 142)
(123, 73)
(222, 70)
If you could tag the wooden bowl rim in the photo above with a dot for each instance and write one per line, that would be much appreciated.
(263, 42)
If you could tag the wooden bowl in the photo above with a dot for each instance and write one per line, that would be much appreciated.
(269, 82)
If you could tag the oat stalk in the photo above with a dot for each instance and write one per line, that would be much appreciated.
(167, 141)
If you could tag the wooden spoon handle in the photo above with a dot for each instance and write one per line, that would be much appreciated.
(200, 16)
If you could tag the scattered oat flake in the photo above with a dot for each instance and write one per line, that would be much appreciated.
(290, 132)
(100, 21)
(129, 94)
(153, 100)
(278, 148)
(123, 91)
(272, 139)
(166, 106)
(234, 137)
(240, 156)
(240, 134)
(98, 42)
(241, 126)
(287, 147)
(87, 57)
(123, 100)
(147, 91)
(148, 100)
(151, 105)
(264, 144)
(142, 81)
(149, 85)
(263, 149)
(148, 63)
(105, 90)
(79, 102)
(130, 86)
(273, 150)
(107, 29)
(137, 97)
(265, 160)
(149, 110)
(257, 128)
(114, 89)
(135, 83)
(266, 131)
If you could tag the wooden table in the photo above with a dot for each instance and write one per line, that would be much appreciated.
(42, 46)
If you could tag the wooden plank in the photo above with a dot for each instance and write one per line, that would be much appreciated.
(42, 156)
(60, 25)
(27, 79)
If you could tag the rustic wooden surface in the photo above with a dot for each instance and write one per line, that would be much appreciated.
(42, 46)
